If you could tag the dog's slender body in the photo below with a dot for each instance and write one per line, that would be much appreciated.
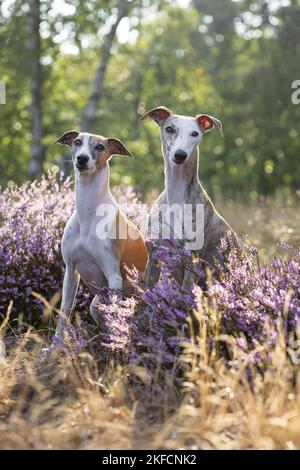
(92, 251)
(180, 137)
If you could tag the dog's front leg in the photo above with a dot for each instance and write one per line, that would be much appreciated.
(110, 266)
(189, 278)
(115, 282)
(152, 271)
(70, 286)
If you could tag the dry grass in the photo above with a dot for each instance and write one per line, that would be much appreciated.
(81, 403)
(68, 404)
(265, 223)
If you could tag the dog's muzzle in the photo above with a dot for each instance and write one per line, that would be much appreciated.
(81, 162)
(180, 156)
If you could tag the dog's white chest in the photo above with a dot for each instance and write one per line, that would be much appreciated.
(86, 251)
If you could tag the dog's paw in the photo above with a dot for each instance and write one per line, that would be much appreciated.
(45, 353)
(50, 351)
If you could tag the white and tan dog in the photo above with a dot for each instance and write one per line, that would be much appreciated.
(98, 240)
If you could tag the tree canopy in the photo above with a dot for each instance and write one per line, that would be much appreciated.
(100, 64)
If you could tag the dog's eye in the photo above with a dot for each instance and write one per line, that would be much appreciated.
(99, 148)
(195, 134)
(77, 142)
(170, 130)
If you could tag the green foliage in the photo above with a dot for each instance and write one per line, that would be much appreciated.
(234, 60)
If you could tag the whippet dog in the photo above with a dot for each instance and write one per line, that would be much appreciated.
(180, 137)
(98, 240)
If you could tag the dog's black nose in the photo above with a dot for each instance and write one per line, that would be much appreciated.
(82, 159)
(180, 156)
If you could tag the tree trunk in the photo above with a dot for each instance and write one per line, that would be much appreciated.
(34, 46)
(91, 108)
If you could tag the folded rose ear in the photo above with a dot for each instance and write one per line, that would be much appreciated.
(207, 123)
(67, 138)
(116, 147)
(159, 115)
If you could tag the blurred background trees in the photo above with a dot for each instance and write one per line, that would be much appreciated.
(99, 64)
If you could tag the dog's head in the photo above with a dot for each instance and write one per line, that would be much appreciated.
(90, 152)
(180, 135)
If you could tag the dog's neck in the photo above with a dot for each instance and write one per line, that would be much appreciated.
(90, 192)
(181, 180)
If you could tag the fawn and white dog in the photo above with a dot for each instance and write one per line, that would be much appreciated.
(180, 137)
(92, 250)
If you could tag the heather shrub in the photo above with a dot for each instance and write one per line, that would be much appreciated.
(255, 299)
(32, 219)
(253, 303)
(249, 302)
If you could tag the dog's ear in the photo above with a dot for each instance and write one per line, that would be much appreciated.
(159, 115)
(116, 147)
(207, 123)
(67, 138)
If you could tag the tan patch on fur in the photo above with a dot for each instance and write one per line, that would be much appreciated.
(132, 250)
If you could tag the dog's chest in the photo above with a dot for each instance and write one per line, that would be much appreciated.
(181, 220)
(86, 251)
